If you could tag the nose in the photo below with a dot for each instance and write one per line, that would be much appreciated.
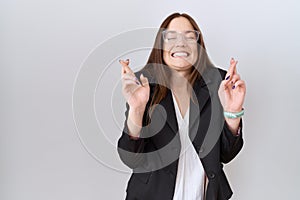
(180, 40)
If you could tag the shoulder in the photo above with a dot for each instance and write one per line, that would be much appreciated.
(213, 75)
(222, 72)
(147, 73)
(216, 71)
(151, 79)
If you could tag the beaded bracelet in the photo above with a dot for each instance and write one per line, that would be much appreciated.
(234, 115)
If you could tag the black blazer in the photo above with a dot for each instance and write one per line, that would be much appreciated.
(154, 156)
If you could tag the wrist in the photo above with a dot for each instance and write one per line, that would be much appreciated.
(233, 125)
(138, 111)
(135, 116)
(234, 115)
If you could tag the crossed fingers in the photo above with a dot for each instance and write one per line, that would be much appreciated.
(128, 75)
(232, 78)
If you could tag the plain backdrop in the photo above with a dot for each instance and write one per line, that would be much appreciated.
(44, 43)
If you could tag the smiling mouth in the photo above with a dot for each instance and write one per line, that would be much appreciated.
(180, 54)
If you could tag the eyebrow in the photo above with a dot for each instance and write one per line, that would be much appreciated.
(180, 31)
(186, 31)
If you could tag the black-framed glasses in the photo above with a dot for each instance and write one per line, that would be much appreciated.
(172, 37)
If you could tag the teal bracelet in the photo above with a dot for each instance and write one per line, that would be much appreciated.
(233, 115)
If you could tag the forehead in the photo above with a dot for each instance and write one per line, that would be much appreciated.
(180, 24)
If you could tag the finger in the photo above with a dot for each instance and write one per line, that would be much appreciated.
(130, 77)
(123, 70)
(128, 70)
(126, 61)
(125, 67)
(235, 78)
(144, 80)
(224, 85)
(239, 84)
(233, 62)
(230, 82)
(129, 82)
(231, 70)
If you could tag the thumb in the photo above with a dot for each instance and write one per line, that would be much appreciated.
(144, 81)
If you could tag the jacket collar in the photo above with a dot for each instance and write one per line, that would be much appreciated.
(201, 94)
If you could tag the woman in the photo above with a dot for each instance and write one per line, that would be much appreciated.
(168, 139)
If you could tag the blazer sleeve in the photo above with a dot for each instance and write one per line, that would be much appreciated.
(230, 144)
(131, 150)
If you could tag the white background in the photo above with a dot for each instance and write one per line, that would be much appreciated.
(43, 44)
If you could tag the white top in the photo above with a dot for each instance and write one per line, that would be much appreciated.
(190, 179)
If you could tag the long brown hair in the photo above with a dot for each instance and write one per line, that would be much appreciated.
(155, 60)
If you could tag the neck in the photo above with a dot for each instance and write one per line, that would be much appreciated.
(179, 81)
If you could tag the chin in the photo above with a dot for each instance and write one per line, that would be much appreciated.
(181, 67)
(182, 62)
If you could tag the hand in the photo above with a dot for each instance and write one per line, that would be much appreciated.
(135, 92)
(232, 90)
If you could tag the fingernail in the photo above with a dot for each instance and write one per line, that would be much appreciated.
(233, 87)
(227, 77)
(136, 79)
(120, 60)
(138, 83)
(127, 59)
(231, 82)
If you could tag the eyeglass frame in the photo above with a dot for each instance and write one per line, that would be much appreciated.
(198, 33)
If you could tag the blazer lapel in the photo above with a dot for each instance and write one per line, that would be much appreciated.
(168, 105)
(201, 95)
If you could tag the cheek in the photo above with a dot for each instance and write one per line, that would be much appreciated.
(195, 53)
(165, 52)
(166, 56)
(167, 47)
(194, 56)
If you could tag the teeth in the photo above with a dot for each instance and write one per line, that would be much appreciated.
(180, 54)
